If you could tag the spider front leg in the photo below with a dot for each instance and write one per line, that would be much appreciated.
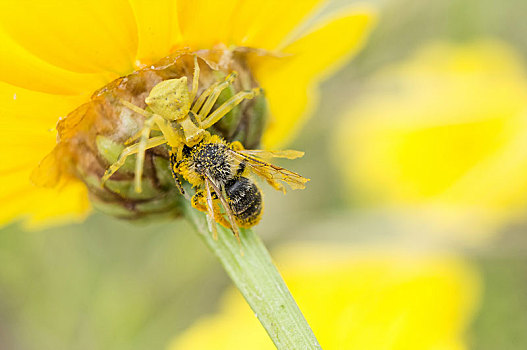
(195, 80)
(208, 97)
(209, 120)
(191, 123)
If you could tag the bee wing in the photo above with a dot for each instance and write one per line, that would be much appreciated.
(274, 175)
(288, 153)
(211, 220)
(225, 205)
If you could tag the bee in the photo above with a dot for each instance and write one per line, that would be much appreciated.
(220, 171)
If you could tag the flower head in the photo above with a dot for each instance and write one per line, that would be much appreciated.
(55, 55)
(443, 134)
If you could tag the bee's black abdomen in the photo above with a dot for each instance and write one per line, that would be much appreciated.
(245, 201)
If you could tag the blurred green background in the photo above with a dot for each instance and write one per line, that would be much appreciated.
(108, 284)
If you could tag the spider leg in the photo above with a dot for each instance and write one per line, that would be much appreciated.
(207, 99)
(137, 136)
(195, 80)
(136, 109)
(153, 121)
(215, 94)
(225, 108)
(128, 151)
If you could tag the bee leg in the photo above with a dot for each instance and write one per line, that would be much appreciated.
(237, 146)
(179, 185)
(201, 203)
(150, 143)
(198, 201)
(174, 168)
(209, 97)
(225, 108)
(205, 205)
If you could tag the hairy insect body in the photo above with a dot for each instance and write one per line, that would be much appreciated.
(212, 158)
(245, 200)
(208, 157)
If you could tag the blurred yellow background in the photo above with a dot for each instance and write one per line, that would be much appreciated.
(413, 222)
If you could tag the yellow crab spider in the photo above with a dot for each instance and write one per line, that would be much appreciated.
(181, 120)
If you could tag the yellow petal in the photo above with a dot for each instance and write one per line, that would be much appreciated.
(81, 36)
(42, 206)
(25, 112)
(290, 82)
(19, 198)
(205, 23)
(56, 206)
(254, 23)
(442, 136)
(157, 29)
(27, 122)
(18, 104)
(21, 68)
(267, 24)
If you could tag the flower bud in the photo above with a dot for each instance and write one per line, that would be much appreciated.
(92, 137)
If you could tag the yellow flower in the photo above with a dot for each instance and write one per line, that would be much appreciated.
(443, 134)
(55, 54)
(374, 300)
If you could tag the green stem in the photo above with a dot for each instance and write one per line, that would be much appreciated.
(251, 269)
